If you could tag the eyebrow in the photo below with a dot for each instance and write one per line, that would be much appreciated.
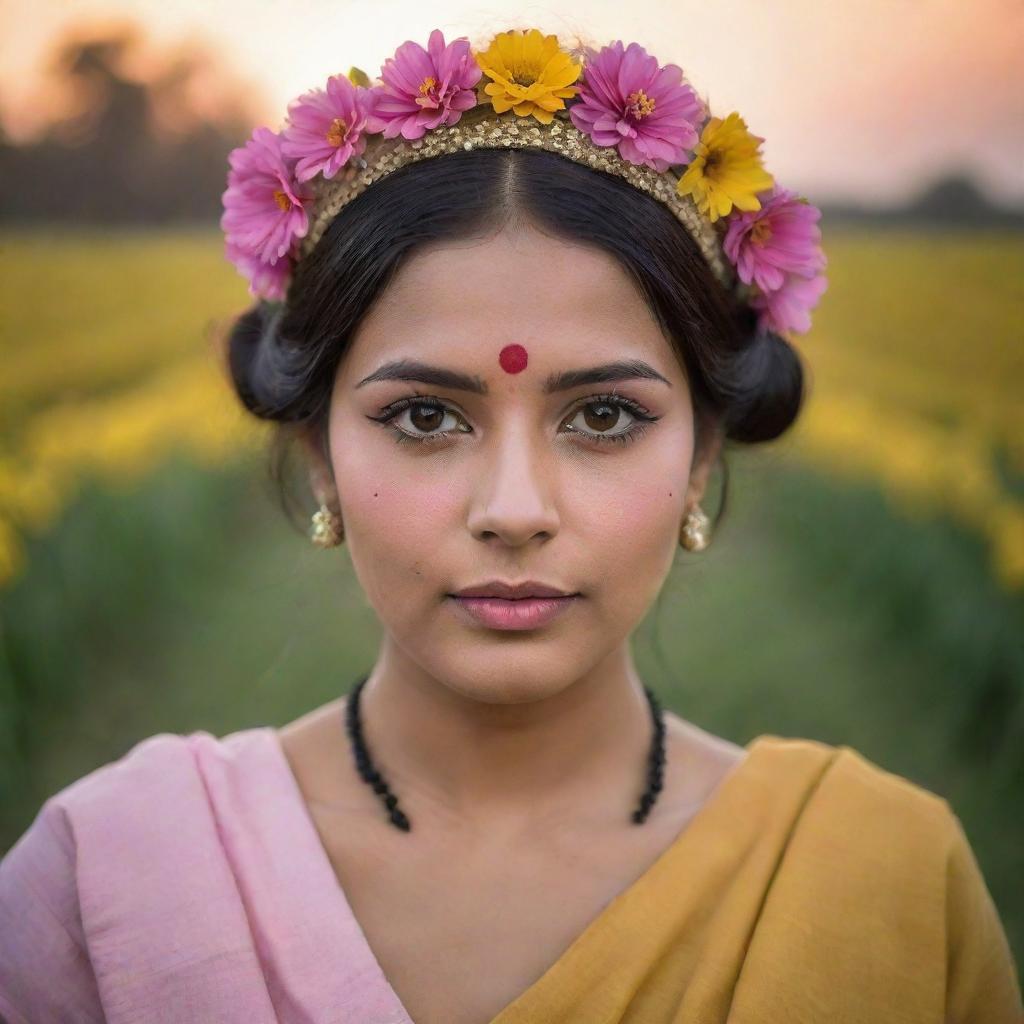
(439, 376)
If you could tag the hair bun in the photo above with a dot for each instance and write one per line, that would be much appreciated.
(254, 359)
(770, 389)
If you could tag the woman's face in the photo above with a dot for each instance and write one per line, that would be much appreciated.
(513, 480)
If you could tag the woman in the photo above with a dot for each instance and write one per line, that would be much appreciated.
(499, 822)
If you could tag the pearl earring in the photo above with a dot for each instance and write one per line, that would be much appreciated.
(695, 533)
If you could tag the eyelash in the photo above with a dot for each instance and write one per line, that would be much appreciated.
(643, 416)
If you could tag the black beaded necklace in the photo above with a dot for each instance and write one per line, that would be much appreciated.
(373, 778)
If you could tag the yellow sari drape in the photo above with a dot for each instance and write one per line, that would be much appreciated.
(812, 886)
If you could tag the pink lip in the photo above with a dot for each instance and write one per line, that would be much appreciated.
(525, 613)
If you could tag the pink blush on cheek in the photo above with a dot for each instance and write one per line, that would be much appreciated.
(513, 358)
(410, 513)
(651, 514)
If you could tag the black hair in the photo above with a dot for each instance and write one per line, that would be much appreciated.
(746, 384)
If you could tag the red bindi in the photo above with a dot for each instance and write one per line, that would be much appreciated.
(512, 358)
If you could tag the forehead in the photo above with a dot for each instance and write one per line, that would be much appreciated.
(467, 300)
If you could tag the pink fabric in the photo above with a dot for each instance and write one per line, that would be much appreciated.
(183, 882)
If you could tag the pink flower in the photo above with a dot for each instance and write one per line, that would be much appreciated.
(424, 88)
(781, 237)
(626, 100)
(263, 203)
(269, 280)
(788, 307)
(325, 127)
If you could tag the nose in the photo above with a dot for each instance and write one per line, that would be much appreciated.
(514, 496)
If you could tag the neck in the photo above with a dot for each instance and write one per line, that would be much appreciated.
(513, 760)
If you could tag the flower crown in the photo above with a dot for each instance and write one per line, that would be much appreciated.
(626, 115)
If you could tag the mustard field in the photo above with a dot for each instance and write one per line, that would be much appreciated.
(917, 360)
(109, 364)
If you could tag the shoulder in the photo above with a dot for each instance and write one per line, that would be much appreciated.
(164, 766)
(161, 767)
(87, 863)
(937, 864)
(847, 783)
(848, 825)
(822, 781)
(158, 787)
(873, 857)
(43, 931)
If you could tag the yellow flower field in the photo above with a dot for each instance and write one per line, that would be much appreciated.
(917, 366)
(915, 357)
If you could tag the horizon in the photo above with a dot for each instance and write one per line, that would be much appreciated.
(943, 104)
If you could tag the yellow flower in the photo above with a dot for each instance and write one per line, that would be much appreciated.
(726, 170)
(529, 73)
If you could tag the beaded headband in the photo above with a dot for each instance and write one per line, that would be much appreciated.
(626, 116)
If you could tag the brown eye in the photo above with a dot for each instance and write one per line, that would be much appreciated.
(426, 417)
(600, 417)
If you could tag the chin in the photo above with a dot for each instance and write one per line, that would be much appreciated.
(506, 686)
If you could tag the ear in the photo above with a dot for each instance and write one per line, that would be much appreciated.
(712, 438)
(321, 475)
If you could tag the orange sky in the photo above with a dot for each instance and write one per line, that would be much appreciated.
(865, 99)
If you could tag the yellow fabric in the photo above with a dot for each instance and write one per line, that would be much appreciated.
(813, 886)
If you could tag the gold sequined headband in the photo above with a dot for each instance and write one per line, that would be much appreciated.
(507, 131)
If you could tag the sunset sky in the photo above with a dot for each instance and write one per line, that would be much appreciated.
(866, 100)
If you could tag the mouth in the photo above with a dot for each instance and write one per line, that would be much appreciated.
(514, 591)
(512, 613)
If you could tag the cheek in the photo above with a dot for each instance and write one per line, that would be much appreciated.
(631, 524)
(394, 514)
(634, 523)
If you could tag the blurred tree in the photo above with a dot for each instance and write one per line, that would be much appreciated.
(129, 147)
(955, 199)
(952, 200)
